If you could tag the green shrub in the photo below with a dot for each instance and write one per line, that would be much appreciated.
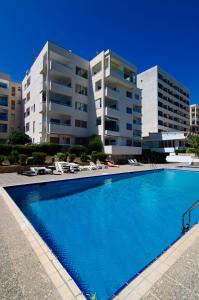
(189, 150)
(98, 155)
(13, 157)
(39, 158)
(2, 158)
(84, 157)
(72, 156)
(77, 150)
(95, 144)
(30, 161)
(22, 159)
(17, 137)
(50, 149)
(61, 156)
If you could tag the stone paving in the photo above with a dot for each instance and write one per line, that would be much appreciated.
(23, 277)
(181, 281)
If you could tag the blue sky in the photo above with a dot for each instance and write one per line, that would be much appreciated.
(146, 32)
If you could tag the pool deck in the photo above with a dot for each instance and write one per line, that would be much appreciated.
(29, 270)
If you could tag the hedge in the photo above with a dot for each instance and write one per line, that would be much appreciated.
(49, 149)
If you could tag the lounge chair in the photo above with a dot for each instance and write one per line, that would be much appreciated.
(64, 167)
(41, 170)
(92, 166)
(99, 165)
(27, 173)
(133, 162)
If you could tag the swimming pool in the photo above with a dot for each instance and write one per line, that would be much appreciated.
(106, 229)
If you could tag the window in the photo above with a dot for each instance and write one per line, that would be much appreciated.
(98, 121)
(137, 97)
(128, 142)
(98, 103)
(12, 117)
(34, 108)
(129, 110)
(12, 104)
(82, 90)
(3, 116)
(55, 121)
(13, 91)
(81, 72)
(98, 85)
(81, 106)
(97, 68)
(129, 126)
(110, 141)
(27, 111)
(19, 89)
(128, 94)
(27, 127)
(3, 127)
(3, 85)
(137, 144)
(80, 123)
(33, 126)
(28, 81)
(3, 101)
(28, 97)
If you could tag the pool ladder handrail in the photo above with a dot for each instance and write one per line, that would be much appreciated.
(186, 226)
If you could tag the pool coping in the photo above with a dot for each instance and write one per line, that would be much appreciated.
(139, 284)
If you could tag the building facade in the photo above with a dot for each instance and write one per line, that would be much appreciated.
(165, 110)
(67, 99)
(11, 107)
(194, 118)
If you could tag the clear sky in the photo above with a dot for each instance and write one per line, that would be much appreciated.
(146, 32)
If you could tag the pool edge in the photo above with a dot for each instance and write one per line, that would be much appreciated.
(63, 282)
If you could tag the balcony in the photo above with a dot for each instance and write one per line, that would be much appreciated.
(122, 150)
(137, 112)
(4, 91)
(119, 77)
(59, 107)
(112, 112)
(60, 128)
(60, 88)
(137, 126)
(58, 68)
(111, 93)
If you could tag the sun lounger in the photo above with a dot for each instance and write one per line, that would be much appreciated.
(99, 165)
(41, 170)
(133, 162)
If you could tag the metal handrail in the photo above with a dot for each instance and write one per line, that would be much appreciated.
(186, 226)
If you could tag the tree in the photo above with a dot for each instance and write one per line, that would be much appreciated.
(95, 144)
(194, 142)
(17, 137)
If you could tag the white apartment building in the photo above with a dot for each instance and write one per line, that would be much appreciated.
(67, 99)
(165, 110)
(11, 107)
(194, 118)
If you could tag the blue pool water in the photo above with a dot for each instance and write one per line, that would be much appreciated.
(104, 230)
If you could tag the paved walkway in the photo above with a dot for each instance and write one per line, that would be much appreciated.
(23, 277)
(181, 281)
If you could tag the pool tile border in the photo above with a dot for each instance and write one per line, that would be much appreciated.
(65, 285)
